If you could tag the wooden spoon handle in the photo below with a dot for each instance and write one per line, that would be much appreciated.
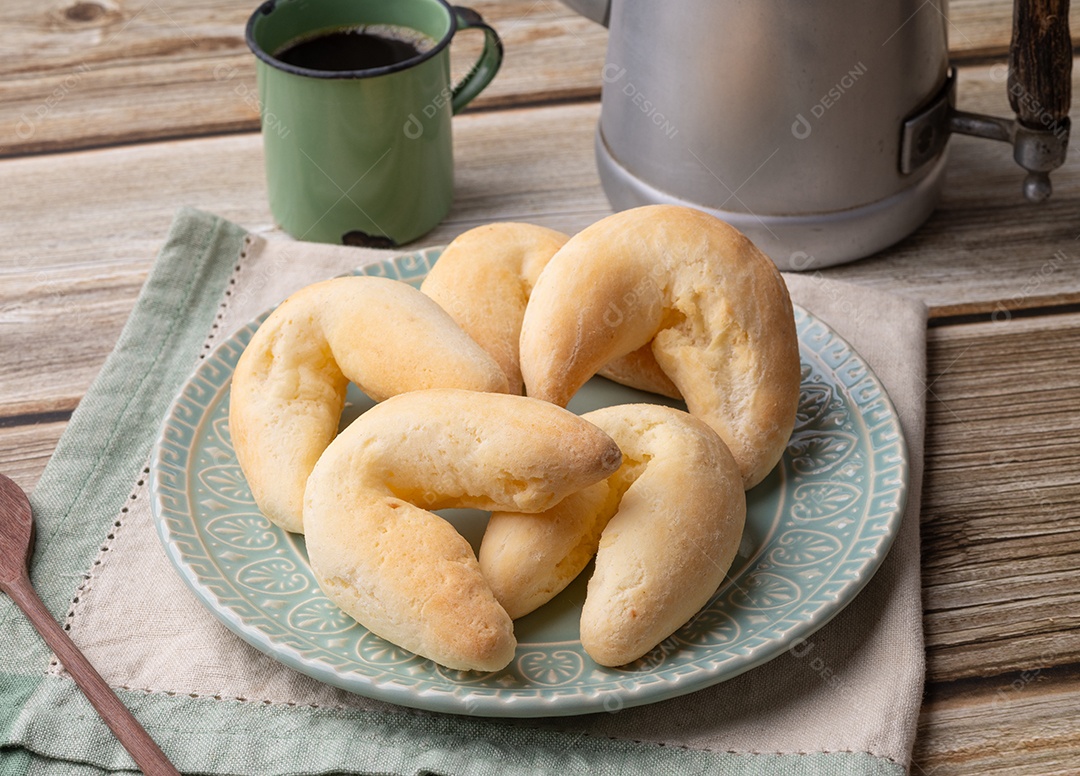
(127, 729)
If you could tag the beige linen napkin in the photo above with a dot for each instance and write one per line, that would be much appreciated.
(853, 687)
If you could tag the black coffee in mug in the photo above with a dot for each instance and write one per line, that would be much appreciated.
(355, 48)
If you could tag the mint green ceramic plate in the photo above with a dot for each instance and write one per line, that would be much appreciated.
(817, 529)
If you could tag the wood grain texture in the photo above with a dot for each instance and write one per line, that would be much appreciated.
(98, 72)
(1001, 550)
(1040, 62)
(980, 30)
(1021, 724)
(25, 449)
(985, 250)
(1001, 540)
(16, 533)
(84, 227)
(16, 548)
(95, 72)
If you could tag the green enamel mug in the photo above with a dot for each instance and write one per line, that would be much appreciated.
(362, 157)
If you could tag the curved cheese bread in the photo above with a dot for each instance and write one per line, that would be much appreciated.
(405, 573)
(289, 385)
(712, 307)
(667, 526)
(483, 279)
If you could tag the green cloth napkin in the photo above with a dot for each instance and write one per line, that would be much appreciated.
(851, 709)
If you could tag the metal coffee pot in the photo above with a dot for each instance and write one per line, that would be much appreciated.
(820, 129)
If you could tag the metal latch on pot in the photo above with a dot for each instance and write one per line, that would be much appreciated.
(926, 132)
(1037, 150)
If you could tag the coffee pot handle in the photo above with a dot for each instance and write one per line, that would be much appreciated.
(1040, 62)
(1040, 90)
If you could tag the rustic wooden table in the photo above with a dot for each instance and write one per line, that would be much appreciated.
(113, 113)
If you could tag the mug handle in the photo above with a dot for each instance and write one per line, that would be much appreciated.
(486, 66)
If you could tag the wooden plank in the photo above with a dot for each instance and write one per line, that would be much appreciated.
(1001, 546)
(89, 255)
(25, 449)
(84, 73)
(1023, 724)
(82, 320)
(998, 584)
(94, 72)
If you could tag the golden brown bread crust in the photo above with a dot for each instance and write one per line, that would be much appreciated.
(483, 280)
(404, 572)
(288, 389)
(713, 308)
(667, 525)
(529, 558)
(668, 547)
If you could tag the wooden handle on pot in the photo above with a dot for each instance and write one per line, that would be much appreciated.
(1040, 62)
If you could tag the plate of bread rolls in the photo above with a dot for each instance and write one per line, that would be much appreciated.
(531, 474)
